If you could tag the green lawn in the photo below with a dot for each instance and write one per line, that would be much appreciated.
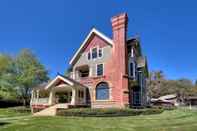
(176, 120)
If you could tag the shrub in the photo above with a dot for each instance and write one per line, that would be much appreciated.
(21, 109)
(9, 103)
(165, 107)
(107, 112)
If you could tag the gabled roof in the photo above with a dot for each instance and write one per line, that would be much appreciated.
(92, 32)
(67, 80)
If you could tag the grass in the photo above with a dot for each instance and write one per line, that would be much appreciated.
(10, 112)
(176, 120)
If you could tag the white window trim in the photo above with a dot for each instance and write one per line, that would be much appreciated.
(90, 71)
(101, 52)
(93, 31)
(96, 52)
(103, 69)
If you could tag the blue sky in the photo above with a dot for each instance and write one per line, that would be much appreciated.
(54, 29)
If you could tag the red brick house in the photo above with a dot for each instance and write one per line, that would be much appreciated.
(104, 73)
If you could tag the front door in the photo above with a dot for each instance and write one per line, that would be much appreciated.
(63, 97)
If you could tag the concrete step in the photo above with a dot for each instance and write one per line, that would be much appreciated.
(51, 111)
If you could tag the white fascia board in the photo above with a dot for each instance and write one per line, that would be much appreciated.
(107, 39)
(61, 78)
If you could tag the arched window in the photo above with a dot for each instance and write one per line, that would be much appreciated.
(102, 91)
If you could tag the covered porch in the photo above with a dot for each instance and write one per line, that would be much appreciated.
(59, 91)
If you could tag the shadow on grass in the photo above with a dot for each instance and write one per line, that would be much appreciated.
(4, 123)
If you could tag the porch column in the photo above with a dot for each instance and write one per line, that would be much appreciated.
(32, 97)
(37, 96)
(73, 100)
(51, 97)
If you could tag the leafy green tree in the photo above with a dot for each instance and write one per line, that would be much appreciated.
(68, 71)
(7, 79)
(29, 73)
(158, 86)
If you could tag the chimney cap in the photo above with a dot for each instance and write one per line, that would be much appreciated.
(119, 16)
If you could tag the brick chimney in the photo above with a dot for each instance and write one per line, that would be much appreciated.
(119, 28)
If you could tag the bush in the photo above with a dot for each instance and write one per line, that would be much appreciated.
(21, 109)
(165, 107)
(9, 103)
(107, 112)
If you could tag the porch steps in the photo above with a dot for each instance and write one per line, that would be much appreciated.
(51, 111)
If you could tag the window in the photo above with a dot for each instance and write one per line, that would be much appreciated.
(136, 98)
(89, 56)
(102, 91)
(83, 71)
(100, 53)
(94, 53)
(100, 70)
(140, 78)
(132, 52)
(131, 69)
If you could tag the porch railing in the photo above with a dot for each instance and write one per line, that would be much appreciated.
(40, 101)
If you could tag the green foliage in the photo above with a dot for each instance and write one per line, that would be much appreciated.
(68, 71)
(7, 90)
(108, 112)
(18, 75)
(29, 73)
(159, 86)
(196, 83)
(21, 109)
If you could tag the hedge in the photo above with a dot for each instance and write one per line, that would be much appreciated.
(21, 109)
(9, 103)
(88, 112)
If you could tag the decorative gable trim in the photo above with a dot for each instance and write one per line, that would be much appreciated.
(93, 31)
(57, 78)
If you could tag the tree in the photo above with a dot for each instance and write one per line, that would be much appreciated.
(29, 73)
(7, 90)
(155, 82)
(159, 86)
(68, 71)
(196, 83)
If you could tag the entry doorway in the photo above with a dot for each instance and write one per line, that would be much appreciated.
(63, 97)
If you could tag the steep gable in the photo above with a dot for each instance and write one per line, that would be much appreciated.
(95, 41)
(94, 38)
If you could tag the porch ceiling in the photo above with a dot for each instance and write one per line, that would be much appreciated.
(62, 87)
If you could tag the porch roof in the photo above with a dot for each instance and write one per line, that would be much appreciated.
(69, 81)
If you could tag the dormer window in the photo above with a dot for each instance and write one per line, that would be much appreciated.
(100, 53)
(94, 53)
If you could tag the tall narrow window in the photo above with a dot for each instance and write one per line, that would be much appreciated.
(131, 69)
(100, 53)
(140, 78)
(100, 70)
(94, 53)
(89, 56)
